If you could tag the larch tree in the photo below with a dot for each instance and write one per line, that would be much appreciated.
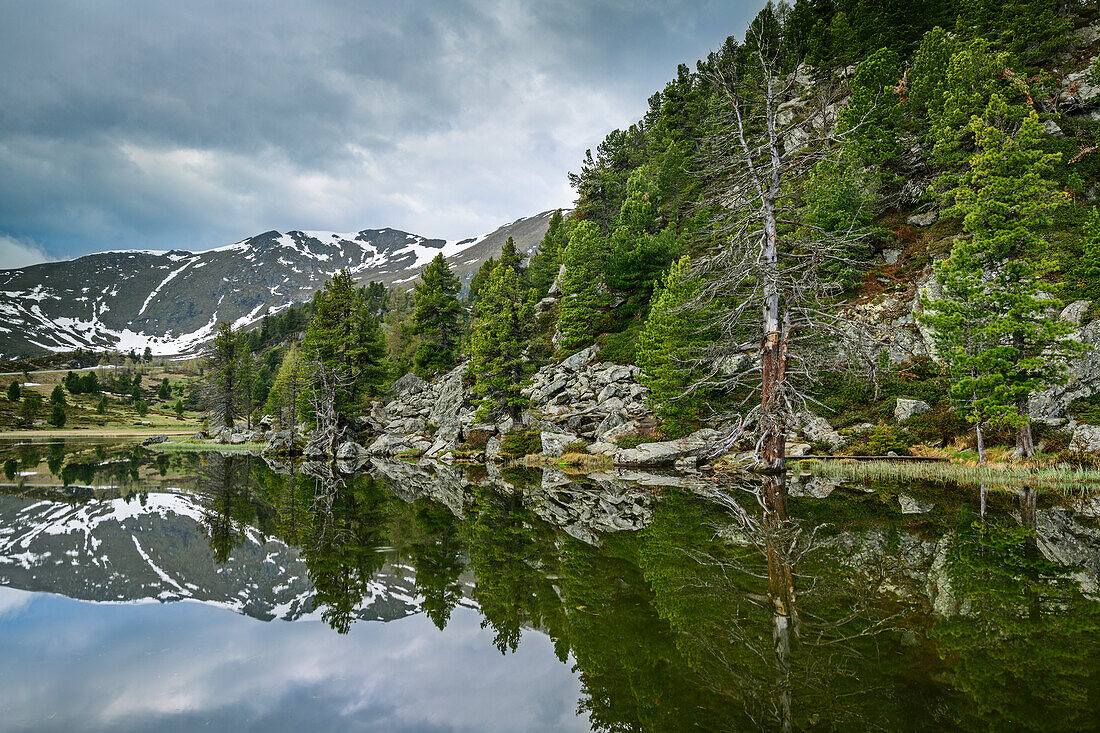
(437, 318)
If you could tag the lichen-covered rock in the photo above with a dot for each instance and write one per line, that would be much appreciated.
(1086, 439)
(349, 451)
(553, 444)
(389, 445)
(1076, 311)
(906, 409)
(666, 453)
(818, 430)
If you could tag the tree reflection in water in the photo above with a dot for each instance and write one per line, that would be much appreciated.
(734, 609)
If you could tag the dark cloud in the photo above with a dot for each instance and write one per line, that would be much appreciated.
(136, 124)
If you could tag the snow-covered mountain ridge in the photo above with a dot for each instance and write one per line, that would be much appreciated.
(172, 301)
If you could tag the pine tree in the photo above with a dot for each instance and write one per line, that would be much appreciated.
(178, 408)
(999, 272)
(547, 259)
(437, 318)
(481, 279)
(584, 294)
(285, 400)
(101, 407)
(345, 339)
(637, 256)
(165, 390)
(666, 348)
(57, 415)
(89, 383)
(32, 404)
(221, 377)
(57, 396)
(142, 408)
(509, 257)
(13, 391)
(497, 343)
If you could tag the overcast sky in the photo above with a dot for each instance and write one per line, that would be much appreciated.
(195, 123)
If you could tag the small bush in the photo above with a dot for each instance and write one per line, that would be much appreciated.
(520, 443)
(577, 446)
(478, 438)
(1086, 409)
(633, 441)
(882, 440)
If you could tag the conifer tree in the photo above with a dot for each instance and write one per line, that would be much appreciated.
(666, 349)
(178, 408)
(547, 259)
(510, 257)
(481, 279)
(101, 407)
(57, 415)
(637, 256)
(584, 294)
(57, 396)
(90, 383)
(285, 400)
(32, 404)
(1006, 203)
(345, 339)
(221, 376)
(13, 391)
(165, 390)
(497, 343)
(437, 318)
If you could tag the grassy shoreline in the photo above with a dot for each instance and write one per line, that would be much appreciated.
(1050, 476)
(100, 432)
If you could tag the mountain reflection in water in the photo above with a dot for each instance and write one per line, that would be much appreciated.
(528, 600)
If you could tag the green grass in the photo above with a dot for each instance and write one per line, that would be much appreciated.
(204, 446)
(1060, 477)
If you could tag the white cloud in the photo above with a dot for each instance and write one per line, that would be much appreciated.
(20, 253)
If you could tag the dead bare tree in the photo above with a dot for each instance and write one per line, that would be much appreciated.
(325, 385)
(769, 282)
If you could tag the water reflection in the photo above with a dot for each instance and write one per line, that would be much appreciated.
(678, 604)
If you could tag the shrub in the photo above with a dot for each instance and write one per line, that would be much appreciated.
(577, 446)
(478, 438)
(519, 443)
(57, 416)
(882, 440)
(633, 441)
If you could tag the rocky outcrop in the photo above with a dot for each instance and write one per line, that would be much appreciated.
(666, 453)
(585, 397)
(1086, 439)
(906, 409)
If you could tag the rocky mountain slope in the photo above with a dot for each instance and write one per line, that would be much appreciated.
(172, 301)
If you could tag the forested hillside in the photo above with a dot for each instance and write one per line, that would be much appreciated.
(882, 214)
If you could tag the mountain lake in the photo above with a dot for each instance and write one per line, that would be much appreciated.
(181, 591)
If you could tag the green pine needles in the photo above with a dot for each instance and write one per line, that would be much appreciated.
(996, 326)
(437, 318)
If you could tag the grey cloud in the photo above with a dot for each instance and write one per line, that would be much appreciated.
(134, 124)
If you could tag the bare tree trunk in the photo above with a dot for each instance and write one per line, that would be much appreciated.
(1025, 444)
(981, 443)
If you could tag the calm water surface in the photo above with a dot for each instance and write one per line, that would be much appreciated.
(196, 591)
